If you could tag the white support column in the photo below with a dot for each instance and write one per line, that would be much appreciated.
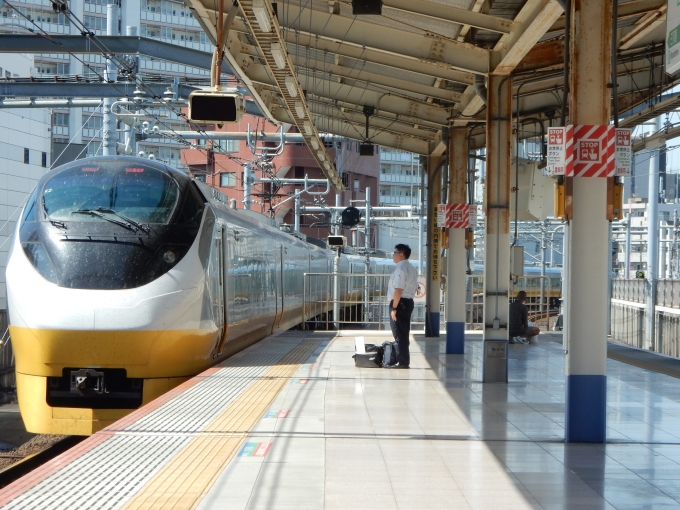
(588, 257)
(457, 258)
(497, 229)
(652, 244)
(626, 271)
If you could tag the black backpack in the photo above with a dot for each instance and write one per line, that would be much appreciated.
(389, 356)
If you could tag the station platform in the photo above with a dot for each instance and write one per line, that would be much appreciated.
(291, 423)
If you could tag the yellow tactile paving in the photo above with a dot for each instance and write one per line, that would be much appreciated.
(183, 482)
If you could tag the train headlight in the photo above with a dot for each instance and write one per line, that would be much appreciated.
(169, 257)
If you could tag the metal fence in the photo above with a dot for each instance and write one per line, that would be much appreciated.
(629, 290)
(360, 302)
(543, 300)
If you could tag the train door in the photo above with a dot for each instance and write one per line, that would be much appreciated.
(282, 290)
(218, 287)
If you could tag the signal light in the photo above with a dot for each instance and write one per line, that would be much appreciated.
(215, 107)
(350, 217)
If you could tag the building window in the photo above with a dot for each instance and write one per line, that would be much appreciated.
(26, 156)
(226, 145)
(61, 119)
(228, 179)
(357, 185)
(200, 177)
(44, 160)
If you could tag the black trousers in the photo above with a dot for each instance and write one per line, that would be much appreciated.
(401, 329)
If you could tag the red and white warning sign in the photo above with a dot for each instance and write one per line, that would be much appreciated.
(594, 152)
(624, 152)
(560, 150)
(453, 215)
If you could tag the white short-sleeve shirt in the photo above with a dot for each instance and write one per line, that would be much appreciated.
(404, 277)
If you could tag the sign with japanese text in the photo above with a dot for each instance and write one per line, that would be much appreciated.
(672, 36)
(560, 150)
(624, 152)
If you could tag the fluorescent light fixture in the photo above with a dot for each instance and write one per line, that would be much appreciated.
(300, 110)
(315, 144)
(321, 155)
(279, 57)
(291, 85)
(308, 127)
(261, 15)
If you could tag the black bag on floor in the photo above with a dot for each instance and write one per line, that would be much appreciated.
(389, 354)
(369, 359)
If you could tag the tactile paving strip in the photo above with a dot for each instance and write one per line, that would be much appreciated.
(111, 473)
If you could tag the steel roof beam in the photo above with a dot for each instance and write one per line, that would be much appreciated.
(457, 55)
(348, 129)
(532, 22)
(362, 75)
(98, 90)
(119, 45)
(453, 14)
(418, 112)
(625, 10)
(429, 68)
(348, 113)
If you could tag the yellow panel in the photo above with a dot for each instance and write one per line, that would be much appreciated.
(40, 418)
(148, 354)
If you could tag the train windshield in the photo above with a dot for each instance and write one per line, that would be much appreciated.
(91, 191)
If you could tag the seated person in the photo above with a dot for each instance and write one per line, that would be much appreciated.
(519, 321)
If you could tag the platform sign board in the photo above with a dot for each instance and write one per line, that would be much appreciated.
(594, 152)
(560, 150)
(453, 215)
(624, 152)
(472, 219)
(673, 37)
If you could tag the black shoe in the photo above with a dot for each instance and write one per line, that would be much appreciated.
(396, 365)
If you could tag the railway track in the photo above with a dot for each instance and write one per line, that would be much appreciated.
(28, 463)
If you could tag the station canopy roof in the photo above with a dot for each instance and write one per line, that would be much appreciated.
(419, 66)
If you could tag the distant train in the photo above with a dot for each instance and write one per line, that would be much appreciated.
(126, 278)
(530, 282)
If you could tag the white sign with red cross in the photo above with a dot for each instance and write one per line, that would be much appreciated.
(624, 152)
(560, 150)
(594, 151)
(453, 215)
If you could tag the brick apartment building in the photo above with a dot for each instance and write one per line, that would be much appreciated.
(225, 172)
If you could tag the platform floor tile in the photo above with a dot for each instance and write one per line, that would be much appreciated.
(435, 437)
(167, 456)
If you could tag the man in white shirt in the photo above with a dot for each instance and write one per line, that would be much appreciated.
(400, 292)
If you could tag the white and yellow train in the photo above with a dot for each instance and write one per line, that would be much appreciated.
(126, 277)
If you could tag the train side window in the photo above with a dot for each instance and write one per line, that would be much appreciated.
(192, 209)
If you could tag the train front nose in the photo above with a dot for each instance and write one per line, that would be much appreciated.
(91, 315)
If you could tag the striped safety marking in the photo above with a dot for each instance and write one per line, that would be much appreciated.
(594, 151)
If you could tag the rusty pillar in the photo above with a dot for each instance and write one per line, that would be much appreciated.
(497, 227)
(456, 260)
(588, 255)
(434, 244)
